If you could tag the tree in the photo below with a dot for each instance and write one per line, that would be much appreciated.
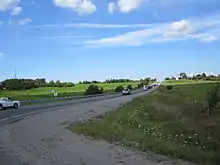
(58, 84)
(119, 88)
(203, 75)
(93, 89)
(173, 78)
(51, 83)
(167, 78)
(183, 75)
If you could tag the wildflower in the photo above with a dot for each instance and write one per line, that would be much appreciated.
(189, 137)
(182, 134)
(208, 138)
(139, 126)
(195, 134)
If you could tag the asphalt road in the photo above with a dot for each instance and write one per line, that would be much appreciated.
(11, 114)
(42, 139)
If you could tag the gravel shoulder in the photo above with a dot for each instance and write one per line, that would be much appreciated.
(42, 139)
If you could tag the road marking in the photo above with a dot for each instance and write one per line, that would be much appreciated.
(29, 113)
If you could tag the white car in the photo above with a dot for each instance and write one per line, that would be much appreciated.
(6, 102)
(126, 91)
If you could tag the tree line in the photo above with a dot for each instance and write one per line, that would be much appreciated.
(108, 81)
(22, 84)
(201, 76)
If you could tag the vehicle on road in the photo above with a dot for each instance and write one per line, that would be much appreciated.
(7, 102)
(126, 91)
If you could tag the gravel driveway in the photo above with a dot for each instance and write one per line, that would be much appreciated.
(42, 139)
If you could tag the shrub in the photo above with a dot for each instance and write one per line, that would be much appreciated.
(130, 87)
(140, 85)
(119, 88)
(213, 98)
(169, 87)
(93, 89)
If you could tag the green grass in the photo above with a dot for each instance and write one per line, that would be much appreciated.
(166, 122)
(43, 93)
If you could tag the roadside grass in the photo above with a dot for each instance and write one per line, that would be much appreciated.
(44, 93)
(166, 122)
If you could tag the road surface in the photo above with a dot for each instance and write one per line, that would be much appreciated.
(33, 109)
(41, 139)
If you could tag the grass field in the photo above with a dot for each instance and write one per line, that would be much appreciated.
(167, 122)
(44, 93)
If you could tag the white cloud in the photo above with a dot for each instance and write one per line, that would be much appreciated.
(200, 30)
(111, 7)
(81, 7)
(24, 21)
(16, 10)
(204, 37)
(10, 5)
(96, 25)
(125, 6)
(179, 28)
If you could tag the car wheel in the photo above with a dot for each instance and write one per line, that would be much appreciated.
(1, 107)
(15, 106)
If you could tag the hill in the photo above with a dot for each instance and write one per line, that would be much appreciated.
(169, 121)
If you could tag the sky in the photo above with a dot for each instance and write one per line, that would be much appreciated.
(75, 40)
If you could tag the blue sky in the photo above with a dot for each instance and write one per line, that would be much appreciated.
(73, 40)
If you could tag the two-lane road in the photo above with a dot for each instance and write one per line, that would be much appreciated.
(11, 114)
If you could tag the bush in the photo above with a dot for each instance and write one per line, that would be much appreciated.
(130, 87)
(93, 89)
(140, 85)
(169, 87)
(119, 88)
(213, 98)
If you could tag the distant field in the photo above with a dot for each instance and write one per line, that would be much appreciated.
(167, 122)
(43, 93)
(182, 82)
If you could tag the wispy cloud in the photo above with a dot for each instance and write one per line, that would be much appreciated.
(203, 29)
(63, 37)
(24, 21)
(95, 25)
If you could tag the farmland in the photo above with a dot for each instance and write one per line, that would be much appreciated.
(44, 92)
(168, 122)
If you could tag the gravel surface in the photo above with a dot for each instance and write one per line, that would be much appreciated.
(42, 139)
